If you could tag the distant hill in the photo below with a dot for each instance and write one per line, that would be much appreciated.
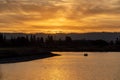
(108, 36)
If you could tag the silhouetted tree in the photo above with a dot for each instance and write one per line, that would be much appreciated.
(33, 40)
(111, 42)
(100, 43)
(40, 42)
(1, 39)
(117, 42)
(68, 39)
(50, 43)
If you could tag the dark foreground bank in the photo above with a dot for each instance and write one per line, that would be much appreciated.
(13, 55)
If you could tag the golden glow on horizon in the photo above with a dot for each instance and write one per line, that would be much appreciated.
(50, 22)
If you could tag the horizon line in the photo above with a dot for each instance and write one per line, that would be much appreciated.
(55, 33)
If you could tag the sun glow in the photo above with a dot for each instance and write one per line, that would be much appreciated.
(54, 22)
(54, 31)
(54, 25)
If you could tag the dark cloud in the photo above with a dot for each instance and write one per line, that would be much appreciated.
(86, 8)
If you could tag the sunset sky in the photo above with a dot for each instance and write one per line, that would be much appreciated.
(59, 16)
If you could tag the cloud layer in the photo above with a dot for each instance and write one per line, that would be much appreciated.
(59, 15)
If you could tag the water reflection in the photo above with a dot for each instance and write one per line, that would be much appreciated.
(69, 66)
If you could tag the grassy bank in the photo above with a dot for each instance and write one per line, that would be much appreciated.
(10, 55)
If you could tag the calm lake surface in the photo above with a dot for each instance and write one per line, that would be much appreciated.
(68, 66)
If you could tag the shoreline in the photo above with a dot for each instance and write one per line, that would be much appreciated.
(15, 55)
(23, 54)
(84, 50)
(25, 58)
(81, 51)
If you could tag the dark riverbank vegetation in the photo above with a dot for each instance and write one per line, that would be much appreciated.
(13, 55)
(30, 47)
(66, 44)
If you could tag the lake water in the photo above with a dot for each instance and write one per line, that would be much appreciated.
(68, 66)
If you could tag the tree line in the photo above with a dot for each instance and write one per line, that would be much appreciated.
(50, 42)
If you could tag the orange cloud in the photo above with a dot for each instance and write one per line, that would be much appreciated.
(53, 16)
